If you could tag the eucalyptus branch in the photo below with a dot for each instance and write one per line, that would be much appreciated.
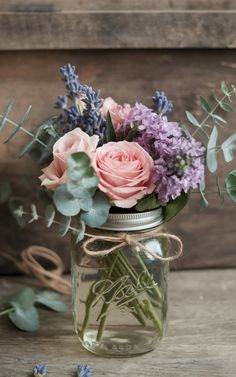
(209, 115)
(25, 131)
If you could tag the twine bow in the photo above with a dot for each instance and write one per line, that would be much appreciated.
(134, 240)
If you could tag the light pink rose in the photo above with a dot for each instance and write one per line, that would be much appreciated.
(119, 113)
(72, 142)
(125, 172)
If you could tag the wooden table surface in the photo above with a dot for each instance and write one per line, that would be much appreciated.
(201, 339)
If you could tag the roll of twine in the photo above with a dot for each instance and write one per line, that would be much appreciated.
(29, 265)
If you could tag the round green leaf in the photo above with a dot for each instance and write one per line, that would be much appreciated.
(65, 203)
(51, 300)
(230, 185)
(98, 214)
(25, 319)
(78, 164)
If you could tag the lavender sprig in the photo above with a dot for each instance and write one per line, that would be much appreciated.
(83, 370)
(161, 103)
(40, 370)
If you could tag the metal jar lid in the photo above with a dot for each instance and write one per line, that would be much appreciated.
(133, 221)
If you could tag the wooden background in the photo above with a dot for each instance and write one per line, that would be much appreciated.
(134, 73)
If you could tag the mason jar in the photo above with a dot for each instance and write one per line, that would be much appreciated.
(120, 285)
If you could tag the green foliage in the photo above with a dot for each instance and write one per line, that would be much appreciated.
(64, 226)
(49, 215)
(65, 203)
(16, 209)
(5, 192)
(205, 105)
(23, 313)
(99, 212)
(204, 201)
(192, 119)
(149, 202)
(110, 133)
(230, 185)
(175, 206)
(228, 147)
(19, 126)
(211, 151)
(4, 117)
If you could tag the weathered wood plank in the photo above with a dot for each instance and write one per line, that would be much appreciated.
(33, 77)
(200, 341)
(133, 24)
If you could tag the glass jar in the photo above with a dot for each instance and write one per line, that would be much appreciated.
(120, 298)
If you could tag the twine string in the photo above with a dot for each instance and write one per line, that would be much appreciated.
(134, 240)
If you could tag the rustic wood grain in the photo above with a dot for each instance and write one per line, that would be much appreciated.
(123, 24)
(201, 339)
(32, 77)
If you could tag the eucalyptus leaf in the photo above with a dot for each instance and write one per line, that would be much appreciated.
(110, 133)
(5, 192)
(228, 147)
(25, 316)
(204, 104)
(64, 226)
(49, 215)
(218, 118)
(98, 214)
(16, 209)
(34, 214)
(211, 151)
(226, 107)
(3, 118)
(230, 185)
(204, 200)
(65, 203)
(51, 300)
(147, 203)
(175, 206)
(82, 195)
(224, 88)
(25, 116)
(192, 119)
(78, 163)
(79, 232)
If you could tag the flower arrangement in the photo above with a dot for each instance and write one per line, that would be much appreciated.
(98, 157)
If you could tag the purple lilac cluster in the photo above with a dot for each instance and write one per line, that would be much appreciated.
(84, 111)
(178, 159)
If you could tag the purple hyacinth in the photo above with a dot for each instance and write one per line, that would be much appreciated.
(178, 159)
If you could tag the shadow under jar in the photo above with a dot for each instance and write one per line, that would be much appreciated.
(120, 299)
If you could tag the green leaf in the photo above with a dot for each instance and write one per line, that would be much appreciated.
(98, 214)
(25, 316)
(186, 130)
(90, 179)
(34, 214)
(204, 201)
(226, 107)
(78, 163)
(230, 185)
(147, 203)
(131, 133)
(110, 133)
(219, 189)
(49, 215)
(5, 192)
(16, 209)
(211, 151)
(204, 104)
(228, 147)
(175, 206)
(3, 118)
(65, 226)
(51, 300)
(224, 88)
(25, 116)
(65, 203)
(83, 196)
(192, 119)
(79, 232)
(218, 118)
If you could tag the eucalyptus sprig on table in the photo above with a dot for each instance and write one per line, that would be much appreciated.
(22, 311)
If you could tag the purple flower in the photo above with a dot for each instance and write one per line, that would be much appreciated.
(84, 370)
(178, 159)
(40, 370)
(161, 103)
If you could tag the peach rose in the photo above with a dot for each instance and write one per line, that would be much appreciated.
(118, 113)
(54, 175)
(125, 172)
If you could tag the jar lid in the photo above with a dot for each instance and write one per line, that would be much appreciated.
(133, 221)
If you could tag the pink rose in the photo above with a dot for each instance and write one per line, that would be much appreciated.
(125, 172)
(119, 113)
(73, 141)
